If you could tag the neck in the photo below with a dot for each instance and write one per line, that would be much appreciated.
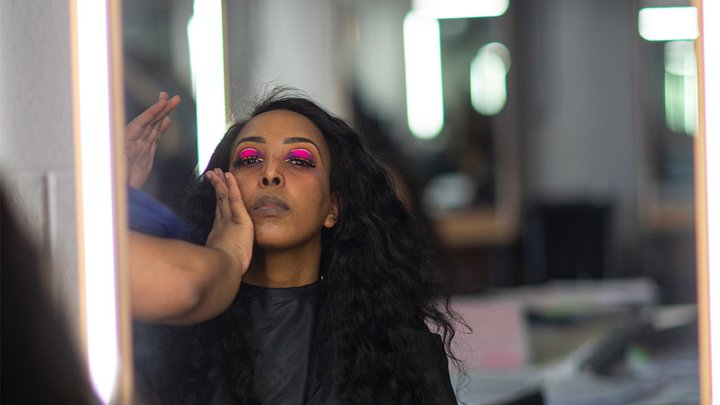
(284, 268)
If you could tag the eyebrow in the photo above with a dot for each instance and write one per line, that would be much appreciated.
(300, 139)
(294, 139)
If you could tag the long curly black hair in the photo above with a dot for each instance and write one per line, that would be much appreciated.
(380, 295)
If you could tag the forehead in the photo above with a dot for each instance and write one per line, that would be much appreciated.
(277, 125)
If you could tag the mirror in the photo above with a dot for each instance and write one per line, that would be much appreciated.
(565, 204)
(157, 58)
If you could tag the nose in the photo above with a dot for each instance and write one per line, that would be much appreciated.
(271, 176)
(275, 180)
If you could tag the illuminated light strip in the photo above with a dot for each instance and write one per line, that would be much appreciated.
(423, 75)
(680, 87)
(460, 8)
(709, 253)
(668, 23)
(97, 242)
(488, 71)
(207, 63)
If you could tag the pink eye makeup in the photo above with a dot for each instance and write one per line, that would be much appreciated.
(248, 156)
(300, 157)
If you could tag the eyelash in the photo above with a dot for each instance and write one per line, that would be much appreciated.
(247, 160)
(291, 158)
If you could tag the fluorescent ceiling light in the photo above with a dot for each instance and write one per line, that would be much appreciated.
(668, 23)
(680, 86)
(207, 63)
(488, 84)
(460, 8)
(423, 75)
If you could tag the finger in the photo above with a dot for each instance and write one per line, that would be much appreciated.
(154, 132)
(222, 204)
(147, 132)
(210, 176)
(153, 149)
(165, 124)
(158, 111)
(140, 128)
(237, 207)
(170, 105)
(150, 115)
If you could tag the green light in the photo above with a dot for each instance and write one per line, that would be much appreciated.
(488, 84)
(680, 87)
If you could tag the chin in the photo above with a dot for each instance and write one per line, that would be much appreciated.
(272, 239)
(277, 239)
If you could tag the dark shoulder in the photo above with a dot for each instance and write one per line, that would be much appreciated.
(434, 360)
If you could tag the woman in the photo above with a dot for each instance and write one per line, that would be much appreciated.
(338, 301)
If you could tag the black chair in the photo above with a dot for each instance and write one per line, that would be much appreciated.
(567, 241)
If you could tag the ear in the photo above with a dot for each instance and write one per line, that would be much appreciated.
(334, 212)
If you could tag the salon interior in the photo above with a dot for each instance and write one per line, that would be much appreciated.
(551, 146)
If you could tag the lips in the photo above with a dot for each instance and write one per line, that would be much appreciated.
(269, 205)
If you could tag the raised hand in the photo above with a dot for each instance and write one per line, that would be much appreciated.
(141, 136)
(232, 231)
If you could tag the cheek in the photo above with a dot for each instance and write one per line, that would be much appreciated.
(314, 191)
(320, 197)
(244, 185)
(317, 187)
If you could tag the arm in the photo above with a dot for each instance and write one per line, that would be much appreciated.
(175, 282)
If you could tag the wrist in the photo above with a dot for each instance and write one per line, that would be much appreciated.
(135, 181)
(227, 262)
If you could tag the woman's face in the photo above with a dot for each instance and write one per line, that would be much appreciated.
(282, 166)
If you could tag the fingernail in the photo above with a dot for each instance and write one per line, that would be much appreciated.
(227, 175)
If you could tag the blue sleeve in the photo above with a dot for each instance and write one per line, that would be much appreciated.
(148, 216)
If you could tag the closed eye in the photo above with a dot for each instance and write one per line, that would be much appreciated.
(248, 156)
(300, 157)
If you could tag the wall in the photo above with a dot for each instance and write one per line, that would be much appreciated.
(36, 139)
(285, 42)
(578, 114)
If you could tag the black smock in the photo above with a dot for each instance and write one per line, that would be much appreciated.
(294, 367)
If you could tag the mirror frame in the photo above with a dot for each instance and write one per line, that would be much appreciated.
(706, 182)
(707, 187)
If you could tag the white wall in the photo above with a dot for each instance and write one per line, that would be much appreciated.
(285, 42)
(36, 141)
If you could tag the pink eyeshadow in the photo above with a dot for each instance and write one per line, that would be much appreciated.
(248, 152)
(301, 154)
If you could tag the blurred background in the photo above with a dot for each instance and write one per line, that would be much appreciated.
(547, 143)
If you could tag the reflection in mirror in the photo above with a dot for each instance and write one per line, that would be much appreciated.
(157, 58)
(556, 176)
